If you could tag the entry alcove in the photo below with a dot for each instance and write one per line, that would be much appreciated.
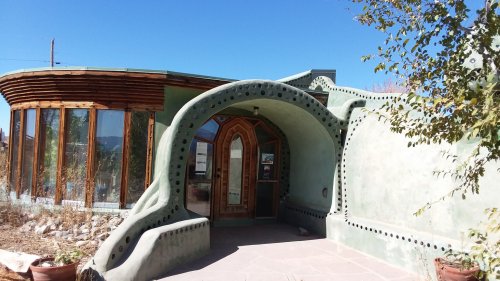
(309, 191)
(296, 182)
(237, 167)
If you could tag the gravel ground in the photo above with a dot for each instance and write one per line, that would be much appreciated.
(11, 239)
(15, 238)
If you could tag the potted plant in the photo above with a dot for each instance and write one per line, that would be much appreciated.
(485, 251)
(486, 247)
(456, 266)
(61, 267)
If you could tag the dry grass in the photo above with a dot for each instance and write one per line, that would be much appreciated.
(17, 214)
(12, 216)
(3, 175)
(11, 239)
(3, 166)
(71, 215)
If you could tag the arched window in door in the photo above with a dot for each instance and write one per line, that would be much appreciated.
(235, 171)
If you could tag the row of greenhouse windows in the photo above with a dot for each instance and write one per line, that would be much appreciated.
(98, 158)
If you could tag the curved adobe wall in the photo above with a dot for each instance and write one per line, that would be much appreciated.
(384, 182)
(162, 204)
(198, 110)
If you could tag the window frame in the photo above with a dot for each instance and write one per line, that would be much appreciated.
(39, 160)
(91, 153)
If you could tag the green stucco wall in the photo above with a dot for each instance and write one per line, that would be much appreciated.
(375, 182)
(384, 182)
(312, 161)
(312, 152)
(175, 98)
(296, 113)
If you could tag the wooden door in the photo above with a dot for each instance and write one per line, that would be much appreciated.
(235, 173)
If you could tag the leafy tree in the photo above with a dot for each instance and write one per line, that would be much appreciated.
(448, 57)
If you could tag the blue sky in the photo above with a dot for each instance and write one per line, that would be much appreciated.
(233, 39)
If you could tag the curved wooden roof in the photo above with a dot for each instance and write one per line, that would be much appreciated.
(90, 87)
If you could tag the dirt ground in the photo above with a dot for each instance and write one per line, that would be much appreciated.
(12, 239)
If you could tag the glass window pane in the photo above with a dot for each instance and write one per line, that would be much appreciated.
(200, 160)
(75, 154)
(208, 131)
(198, 197)
(263, 135)
(48, 143)
(14, 177)
(137, 152)
(108, 157)
(199, 179)
(28, 152)
(235, 171)
(265, 199)
(267, 161)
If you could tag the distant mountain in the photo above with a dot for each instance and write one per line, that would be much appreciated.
(109, 143)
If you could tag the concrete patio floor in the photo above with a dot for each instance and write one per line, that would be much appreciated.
(276, 252)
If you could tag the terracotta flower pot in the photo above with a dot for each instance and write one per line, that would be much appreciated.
(55, 273)
(447, 272)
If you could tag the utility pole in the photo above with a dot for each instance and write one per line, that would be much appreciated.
(52, 53)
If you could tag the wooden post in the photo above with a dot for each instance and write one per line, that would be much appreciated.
(36, 145)
(52, 53)
(90, 182)
(125, 158)
(149, 157)
(20, 153)
(61, 147)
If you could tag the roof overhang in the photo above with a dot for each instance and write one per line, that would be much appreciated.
(124, 88)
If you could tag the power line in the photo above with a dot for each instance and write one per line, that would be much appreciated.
(32, 60)
(51, 61)
(23, 60)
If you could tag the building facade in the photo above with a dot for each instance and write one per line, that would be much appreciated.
(187, 152)
(85, 136)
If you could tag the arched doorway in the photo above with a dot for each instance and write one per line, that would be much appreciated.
(233, 169)
(313, 135)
